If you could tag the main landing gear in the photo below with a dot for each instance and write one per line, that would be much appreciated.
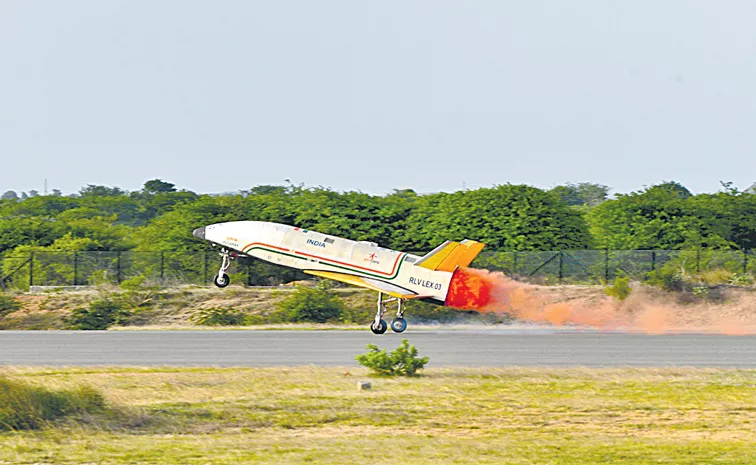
(222, 279)
(398, 324)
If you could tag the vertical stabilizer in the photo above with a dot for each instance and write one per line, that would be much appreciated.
(449, 255)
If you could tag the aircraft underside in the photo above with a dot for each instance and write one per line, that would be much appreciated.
(378, 326)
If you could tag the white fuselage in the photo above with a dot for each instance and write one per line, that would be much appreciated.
(310, 250)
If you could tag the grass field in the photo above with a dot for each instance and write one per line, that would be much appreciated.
(317, 415)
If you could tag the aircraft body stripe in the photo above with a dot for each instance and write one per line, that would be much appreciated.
(331, 262)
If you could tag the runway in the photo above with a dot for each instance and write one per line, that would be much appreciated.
(495, 348)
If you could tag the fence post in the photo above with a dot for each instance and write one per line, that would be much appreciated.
(31, 270)
(745, 261)
(606, 265)
(698, 260)
(76, 269)
(206, 268)
(515, 263)
(162, 265)
(561, 266)
(653, 260)
(118, 268)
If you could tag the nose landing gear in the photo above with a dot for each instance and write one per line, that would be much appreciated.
(221, 279)
(398, 324)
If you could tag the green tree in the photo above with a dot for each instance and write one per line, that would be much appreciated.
(353, 215)
(28, 231)
(660, 217)
(584, 193)
(265, 189)
(508, 217)
(92, 190)
(157, 186)
(673, 187)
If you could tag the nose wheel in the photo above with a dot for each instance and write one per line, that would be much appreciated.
(398, 324)
(380, 328)
(222, 279)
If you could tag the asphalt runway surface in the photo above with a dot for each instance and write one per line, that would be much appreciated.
(494, 348)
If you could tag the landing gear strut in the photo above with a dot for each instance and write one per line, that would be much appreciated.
(222, 279)
(398, 324)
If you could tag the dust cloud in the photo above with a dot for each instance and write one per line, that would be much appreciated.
(485, 291)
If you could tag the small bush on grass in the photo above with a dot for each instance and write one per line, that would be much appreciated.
(30, 407)
(8, 305)
(312, 304)
(100, 315)
(401, 362)
(620, 288)
(219, 317)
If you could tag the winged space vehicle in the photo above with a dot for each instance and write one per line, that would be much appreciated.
(396, 276)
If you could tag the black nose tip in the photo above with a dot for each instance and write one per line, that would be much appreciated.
(199, 233)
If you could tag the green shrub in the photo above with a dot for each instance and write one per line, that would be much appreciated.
(620, 288)
(702, 292)
(219, 317)
(401, 362)
(100, 315)
(8, 305)
(739, 279)
(30, 407)
(136, 283)
(669, 277)
(312, 304)
(101, 278)
(430, 313)
(425, 313)
(351, 315)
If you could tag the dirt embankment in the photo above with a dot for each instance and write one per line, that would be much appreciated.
(170, 307)
(726, 310)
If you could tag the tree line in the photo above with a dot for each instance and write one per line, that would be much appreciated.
(160, 217)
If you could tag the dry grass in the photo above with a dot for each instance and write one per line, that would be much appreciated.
(295, 415)
(166, 308)
(733, 311)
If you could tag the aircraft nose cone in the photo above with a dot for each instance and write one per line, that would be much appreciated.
(199, 233)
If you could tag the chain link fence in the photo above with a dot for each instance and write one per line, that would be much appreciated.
(59, 269)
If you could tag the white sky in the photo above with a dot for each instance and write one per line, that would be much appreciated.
(372, 96)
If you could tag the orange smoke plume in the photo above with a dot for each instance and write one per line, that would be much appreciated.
(486, 291)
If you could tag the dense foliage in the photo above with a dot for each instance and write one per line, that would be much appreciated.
(664, 217)
(507, 217)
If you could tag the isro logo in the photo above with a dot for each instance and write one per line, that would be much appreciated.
(316, 243)
(371, 258)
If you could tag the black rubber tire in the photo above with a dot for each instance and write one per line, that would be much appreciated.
(222, 281)
(380, 329)
(398, 325)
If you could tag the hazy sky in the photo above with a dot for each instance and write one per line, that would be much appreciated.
(375, 95)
